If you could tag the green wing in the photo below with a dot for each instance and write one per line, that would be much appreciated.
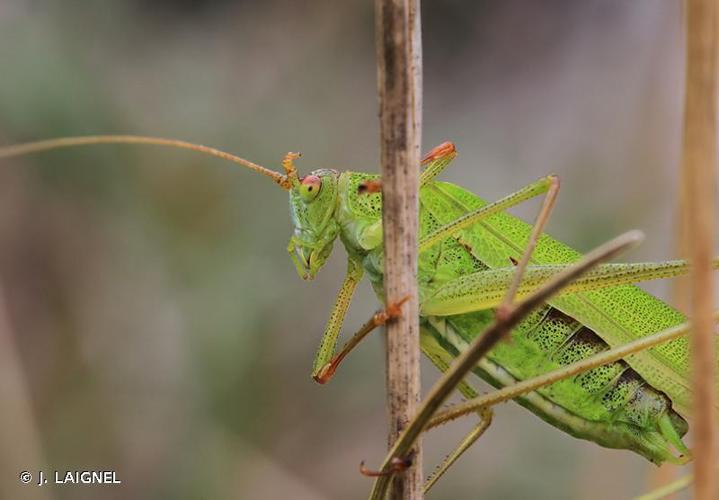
(618, 314)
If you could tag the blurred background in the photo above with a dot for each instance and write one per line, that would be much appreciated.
(151, 321)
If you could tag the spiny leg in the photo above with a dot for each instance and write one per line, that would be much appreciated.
(326, 371)
(464, 445)
(399, 465)
(334, 324)
(441, 360)
(534, 189)
(486, 289)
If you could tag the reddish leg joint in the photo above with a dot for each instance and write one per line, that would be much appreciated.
(444, 149)
(502, 312)
(392, 311)
(395, 466)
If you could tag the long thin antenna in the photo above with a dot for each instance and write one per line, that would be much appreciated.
(66, 142)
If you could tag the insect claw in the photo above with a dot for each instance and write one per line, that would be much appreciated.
(396, 465)
(554, 179)
(391, 312)
(325, 373)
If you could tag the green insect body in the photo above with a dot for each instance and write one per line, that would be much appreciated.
(620, 405)
(615, 405)
(467, 248)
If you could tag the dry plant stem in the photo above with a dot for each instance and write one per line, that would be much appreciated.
(668, 489)
(20, 440)
(660, 477)
(535, 383)
(484, 343)
(399, 60)
(699, 172)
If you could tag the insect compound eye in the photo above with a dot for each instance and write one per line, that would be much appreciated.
(310, 187)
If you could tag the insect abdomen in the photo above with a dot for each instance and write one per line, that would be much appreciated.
(621, 391)
(611, 405)
(618, 314)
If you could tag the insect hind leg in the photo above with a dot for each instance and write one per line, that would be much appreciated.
(438, 356)
(485, 421)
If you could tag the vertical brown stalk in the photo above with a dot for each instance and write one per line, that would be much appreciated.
(699, 173)
(20, 443)
(399, 63)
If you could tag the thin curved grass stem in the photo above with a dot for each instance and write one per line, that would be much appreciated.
(668, 489)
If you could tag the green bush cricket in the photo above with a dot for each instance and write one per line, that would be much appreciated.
(468, 250)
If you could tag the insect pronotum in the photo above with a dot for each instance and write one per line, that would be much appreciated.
(468, 250)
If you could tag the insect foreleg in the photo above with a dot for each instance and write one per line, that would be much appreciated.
(535, 189)
(334, 324)
(326, 371)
